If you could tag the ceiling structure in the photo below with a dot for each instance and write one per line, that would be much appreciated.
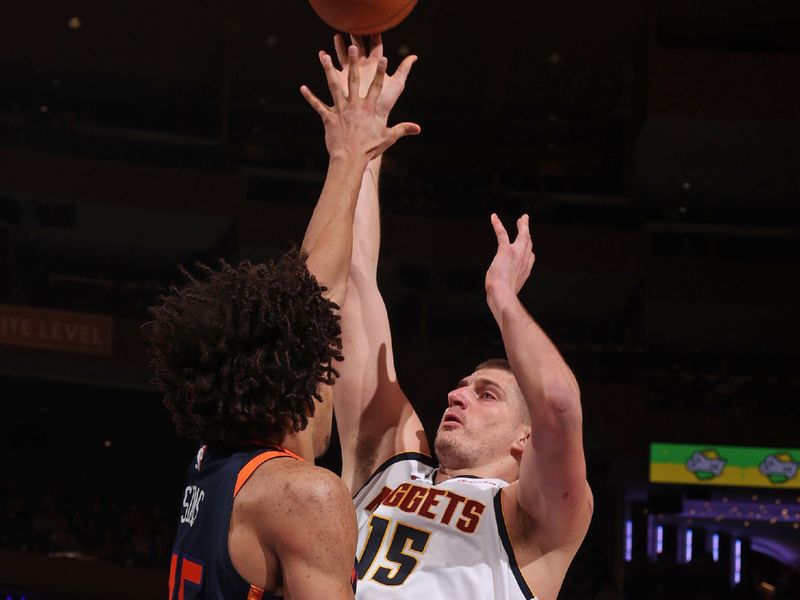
(688, 114)
(654, 143)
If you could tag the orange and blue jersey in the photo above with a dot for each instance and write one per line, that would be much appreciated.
(201, 567)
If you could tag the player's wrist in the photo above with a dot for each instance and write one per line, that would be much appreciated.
(347, 160)
(500, 292)
(500, 297)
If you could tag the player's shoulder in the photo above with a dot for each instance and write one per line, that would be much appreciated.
(297, 505)
(307, 484)
(288, 486)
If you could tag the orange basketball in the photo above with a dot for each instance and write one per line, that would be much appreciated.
(362, 17)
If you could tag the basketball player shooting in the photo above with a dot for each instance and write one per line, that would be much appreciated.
(506, 509)
(244, 356)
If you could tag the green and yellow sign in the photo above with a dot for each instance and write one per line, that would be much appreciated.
(725, 465)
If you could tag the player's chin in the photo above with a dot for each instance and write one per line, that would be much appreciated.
(322, 449)
(446, 435)
(445, 444)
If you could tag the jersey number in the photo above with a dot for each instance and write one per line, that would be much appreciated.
(190, 572)
(405, 540)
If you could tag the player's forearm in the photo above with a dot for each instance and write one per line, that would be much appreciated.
(364, 320)
(553, 470)
(549, 387)
(366, 226)
(329, 237)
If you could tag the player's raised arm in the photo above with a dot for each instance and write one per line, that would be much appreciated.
(355, 133)
(303, 516)
(552, 478)
(374, 417)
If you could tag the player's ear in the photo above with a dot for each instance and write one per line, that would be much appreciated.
(518, 447)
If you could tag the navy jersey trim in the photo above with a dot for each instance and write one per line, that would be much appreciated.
(512, 560)
(423, 458)
(252, 465)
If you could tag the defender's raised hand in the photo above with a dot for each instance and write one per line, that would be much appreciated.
(514, 260)
(354, 127)
(393, 85)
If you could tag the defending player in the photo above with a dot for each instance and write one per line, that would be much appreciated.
(245, 357)
(508, 506)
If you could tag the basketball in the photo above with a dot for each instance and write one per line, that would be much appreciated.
(362, 17)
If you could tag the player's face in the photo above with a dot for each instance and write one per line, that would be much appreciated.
(482, 420)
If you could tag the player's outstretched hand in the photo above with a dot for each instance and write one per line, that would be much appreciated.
(514, 260)
(393, 85)
(354, 127)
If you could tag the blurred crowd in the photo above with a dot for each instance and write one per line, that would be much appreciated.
(97, 525)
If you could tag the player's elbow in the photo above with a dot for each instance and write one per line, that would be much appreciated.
(563, 400)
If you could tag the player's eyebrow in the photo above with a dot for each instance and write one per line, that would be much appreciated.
(482, 381)
(486, 382)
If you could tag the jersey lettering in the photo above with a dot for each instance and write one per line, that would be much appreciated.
(455, 500)
(413, 498)
(377, 500)
(431, 503)
(377, 531)
(396, 496)
(470, 516)
(189, 571)
(406, 547)
(192, 497)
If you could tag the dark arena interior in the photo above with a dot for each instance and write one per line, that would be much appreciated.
(654, 144)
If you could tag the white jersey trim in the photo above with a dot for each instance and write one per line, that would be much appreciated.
(399, 457)
(512, 558)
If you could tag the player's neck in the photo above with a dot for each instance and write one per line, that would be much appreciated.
(301, 443)
(506, 469)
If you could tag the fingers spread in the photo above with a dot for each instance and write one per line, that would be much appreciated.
(403, 129)
(317, 104)
(358, 42)
(394, 134)
(333, 81)
(353, 77)
(523, 232)
(526, 223)
(377, 82)
(499, 230)
(529, 237)
(519, 231)
(376, 46)
(341, 49)
(401, 74)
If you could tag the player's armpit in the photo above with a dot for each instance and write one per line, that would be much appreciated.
(314, 537)
(552, 489)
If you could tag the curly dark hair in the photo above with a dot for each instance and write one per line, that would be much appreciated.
(239, 352)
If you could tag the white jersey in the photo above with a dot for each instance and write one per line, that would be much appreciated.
(420, 540)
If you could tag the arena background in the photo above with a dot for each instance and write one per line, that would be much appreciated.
(654, 143)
